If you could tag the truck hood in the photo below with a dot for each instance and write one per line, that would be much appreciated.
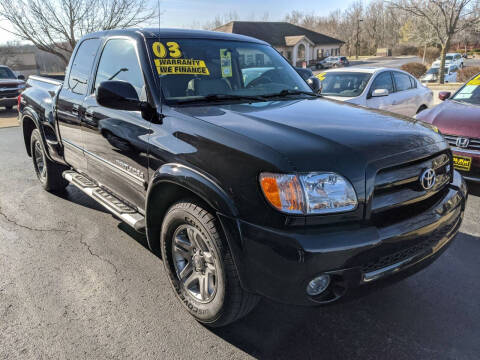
(454, 118)
(10, 82)
(318, 134)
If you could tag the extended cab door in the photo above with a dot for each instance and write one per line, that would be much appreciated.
(70, 101)
(116, 141)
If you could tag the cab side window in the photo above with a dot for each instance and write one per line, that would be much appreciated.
(82, 66)
(119, 62)
(402, 81)
(383, 81)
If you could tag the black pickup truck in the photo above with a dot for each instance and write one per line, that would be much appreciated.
(245, 180)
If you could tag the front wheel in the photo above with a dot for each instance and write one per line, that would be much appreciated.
(200, 266)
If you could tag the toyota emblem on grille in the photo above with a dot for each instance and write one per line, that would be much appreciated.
(462, 142)
(428, 178)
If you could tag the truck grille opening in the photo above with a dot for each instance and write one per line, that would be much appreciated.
(398, 193)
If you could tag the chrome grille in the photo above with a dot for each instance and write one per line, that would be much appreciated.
(400, 185)
(473, 144)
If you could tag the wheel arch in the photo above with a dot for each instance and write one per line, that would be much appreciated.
(173, 182)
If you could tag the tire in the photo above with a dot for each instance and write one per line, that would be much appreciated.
(188, 228)
(48, 172)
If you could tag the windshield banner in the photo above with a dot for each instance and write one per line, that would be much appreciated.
(176, 65)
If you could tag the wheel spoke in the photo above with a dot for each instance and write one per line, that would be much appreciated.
(192, 236)
(181, 242)
(193, 277)
(186, 271)
(182, 252)
(211, 270)
(203, 286)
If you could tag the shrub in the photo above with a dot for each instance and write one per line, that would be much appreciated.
(404, 50)
(467, 72)
(431, 54)
(416, 69)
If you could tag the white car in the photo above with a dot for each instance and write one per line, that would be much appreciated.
(450, 59)
(432, 74)
(379, 88)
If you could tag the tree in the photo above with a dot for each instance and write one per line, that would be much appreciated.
(445, 17)
(55, 26)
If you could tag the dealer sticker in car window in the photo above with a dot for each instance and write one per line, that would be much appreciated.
(176, 65)
(226, 62)
(475, 81)
(462, 163)
(321, 76)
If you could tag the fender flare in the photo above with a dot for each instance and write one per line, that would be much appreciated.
(32, 115)
(210, 192)
(192, 180)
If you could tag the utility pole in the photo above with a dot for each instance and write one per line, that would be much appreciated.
(357, 45)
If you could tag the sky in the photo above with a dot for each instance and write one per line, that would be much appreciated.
(194, 13)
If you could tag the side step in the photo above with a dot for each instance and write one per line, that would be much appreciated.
(107, 200)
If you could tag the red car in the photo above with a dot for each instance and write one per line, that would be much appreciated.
(458, 119)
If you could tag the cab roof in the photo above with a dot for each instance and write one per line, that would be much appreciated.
(176, 34)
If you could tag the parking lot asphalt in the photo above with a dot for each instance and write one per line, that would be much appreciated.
(76, 283)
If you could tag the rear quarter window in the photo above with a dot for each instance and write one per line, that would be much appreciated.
(82, 66)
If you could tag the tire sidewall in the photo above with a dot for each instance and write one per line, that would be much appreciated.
(204, 312)
(34, 139)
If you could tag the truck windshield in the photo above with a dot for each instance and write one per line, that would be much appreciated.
(6, 73)
(196, 70)
(470, 92)
(345, 84)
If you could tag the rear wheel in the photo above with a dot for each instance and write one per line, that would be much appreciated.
(48, 172)
(200, 266)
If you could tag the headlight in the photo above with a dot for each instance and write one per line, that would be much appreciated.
(313, 193)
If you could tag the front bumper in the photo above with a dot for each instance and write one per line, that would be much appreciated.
(279, 264)
(8, 99)
(474, 173)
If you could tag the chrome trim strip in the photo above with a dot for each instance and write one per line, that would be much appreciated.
(137, 180)
(72, 145)
(471, 178)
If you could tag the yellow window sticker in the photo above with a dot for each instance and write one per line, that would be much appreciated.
(475, 81)
(226, 62)
(160, 50)
(181, 67)
(175, 65)
(321, 76)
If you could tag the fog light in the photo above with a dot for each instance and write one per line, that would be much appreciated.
(318, 285)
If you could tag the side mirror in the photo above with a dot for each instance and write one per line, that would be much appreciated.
(314, 84)
(21, 77)
(119, 95)
(444, 95)
(380, 92)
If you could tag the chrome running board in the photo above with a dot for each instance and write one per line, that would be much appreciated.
(116, 206)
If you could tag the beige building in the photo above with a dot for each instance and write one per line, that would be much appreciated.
(295, 43)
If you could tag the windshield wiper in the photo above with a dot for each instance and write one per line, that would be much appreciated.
(220, 97)
(288, 92)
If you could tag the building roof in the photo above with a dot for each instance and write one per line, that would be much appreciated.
(276, 33)
(293, 40)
